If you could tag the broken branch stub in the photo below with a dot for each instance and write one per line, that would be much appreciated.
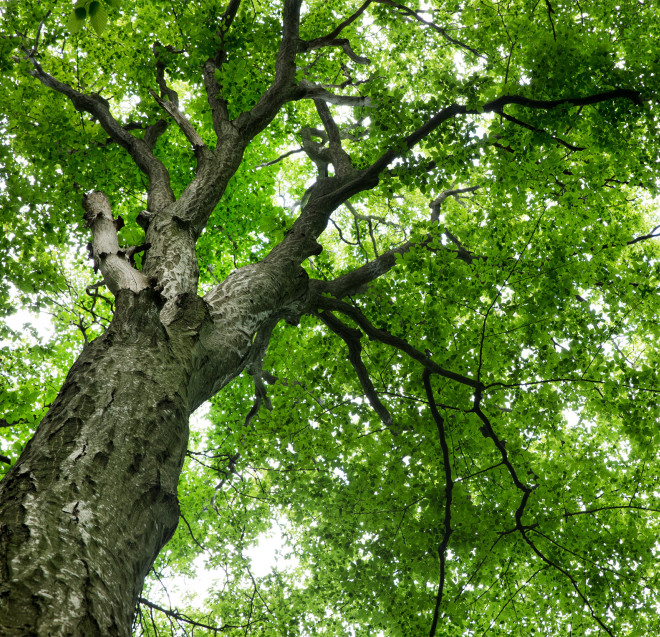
(113, 261)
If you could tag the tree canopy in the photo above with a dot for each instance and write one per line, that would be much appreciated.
(458, 431)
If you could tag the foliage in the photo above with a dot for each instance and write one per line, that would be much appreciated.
(525, 505)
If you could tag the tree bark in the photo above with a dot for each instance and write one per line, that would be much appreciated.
(93, 498)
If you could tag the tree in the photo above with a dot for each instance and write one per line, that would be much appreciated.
(408, 253)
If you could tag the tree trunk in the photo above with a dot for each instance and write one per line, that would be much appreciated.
(93, 498)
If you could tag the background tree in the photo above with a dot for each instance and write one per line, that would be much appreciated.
(408, 253)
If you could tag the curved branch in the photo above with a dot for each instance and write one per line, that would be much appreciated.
(254, 367)
(181, 120)
(356, 281)
(352, 339)
(449, 489)
(283, 88)
(331, 37)
(219, 111)
(440, 199)
(343, 43)
(385, 337)
(175, 614)
(443, 32)
(280, 158)
(160, 193)
(487, 431)
(316, 151)
(370, 218)
(340, 158)
(570, 578)
(494, 106)
(317, 92)
(153, 132)
(169, 101)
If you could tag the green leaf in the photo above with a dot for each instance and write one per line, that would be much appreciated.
(98, 16)
(76, 20)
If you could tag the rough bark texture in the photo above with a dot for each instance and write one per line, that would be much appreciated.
(93, 498)
(77, 541)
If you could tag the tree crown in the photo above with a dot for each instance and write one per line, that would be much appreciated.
(463, 426)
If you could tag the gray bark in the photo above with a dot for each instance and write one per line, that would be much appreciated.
(93, 499)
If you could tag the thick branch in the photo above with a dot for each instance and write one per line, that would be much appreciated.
(160, 193)
(219, 111)
(440, 199)
(494, 106)
(329, 193)
(254, 367)
(315, 150)
(169, 101)
(334, 193)
(340, 158)
(165, 90)
(226, 20)
(331, 39)
(283, 88)
(344, 44)
(177, 271)
(153, 132)
(317, 92)
(208, 185)
(113, 262)
(356, 281)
